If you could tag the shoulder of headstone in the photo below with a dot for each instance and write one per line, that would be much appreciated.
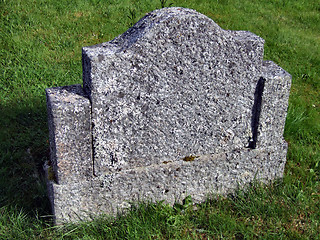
(271, 70)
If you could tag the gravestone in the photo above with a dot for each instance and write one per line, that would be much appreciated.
(175, 106)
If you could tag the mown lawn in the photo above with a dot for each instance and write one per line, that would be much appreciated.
(40, 47)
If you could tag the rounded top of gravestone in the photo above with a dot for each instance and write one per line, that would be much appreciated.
(173, 22)
(156, 24)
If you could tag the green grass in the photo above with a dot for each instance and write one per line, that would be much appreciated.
(40, 47)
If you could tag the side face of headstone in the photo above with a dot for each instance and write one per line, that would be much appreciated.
(275, 99)
(69, 120)
(175, 85)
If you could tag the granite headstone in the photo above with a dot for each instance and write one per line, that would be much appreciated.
(175, 106)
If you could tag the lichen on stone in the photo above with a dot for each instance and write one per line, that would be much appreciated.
(189, 158)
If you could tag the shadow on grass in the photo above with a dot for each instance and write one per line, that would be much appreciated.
(24, 149)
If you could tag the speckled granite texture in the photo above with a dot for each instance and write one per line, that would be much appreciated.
(165, 89)
(174, 87)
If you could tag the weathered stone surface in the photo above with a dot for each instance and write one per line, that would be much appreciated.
(174, 85)
(69, 120)
(206, 175)
(70, 133)
(274, 104)
(178, 106)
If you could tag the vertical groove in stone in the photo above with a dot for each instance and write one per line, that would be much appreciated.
(256, 111)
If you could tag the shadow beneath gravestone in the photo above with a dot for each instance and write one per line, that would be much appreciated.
(24, 150)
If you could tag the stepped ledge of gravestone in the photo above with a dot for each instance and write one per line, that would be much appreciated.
(175, 106)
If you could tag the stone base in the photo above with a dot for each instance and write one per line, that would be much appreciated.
(171, 181)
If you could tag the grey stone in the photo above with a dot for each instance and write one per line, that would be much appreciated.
(173, 181)
(70, 133)
(69, 120)
(275, 104)
(175, 84)
(175, 106)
